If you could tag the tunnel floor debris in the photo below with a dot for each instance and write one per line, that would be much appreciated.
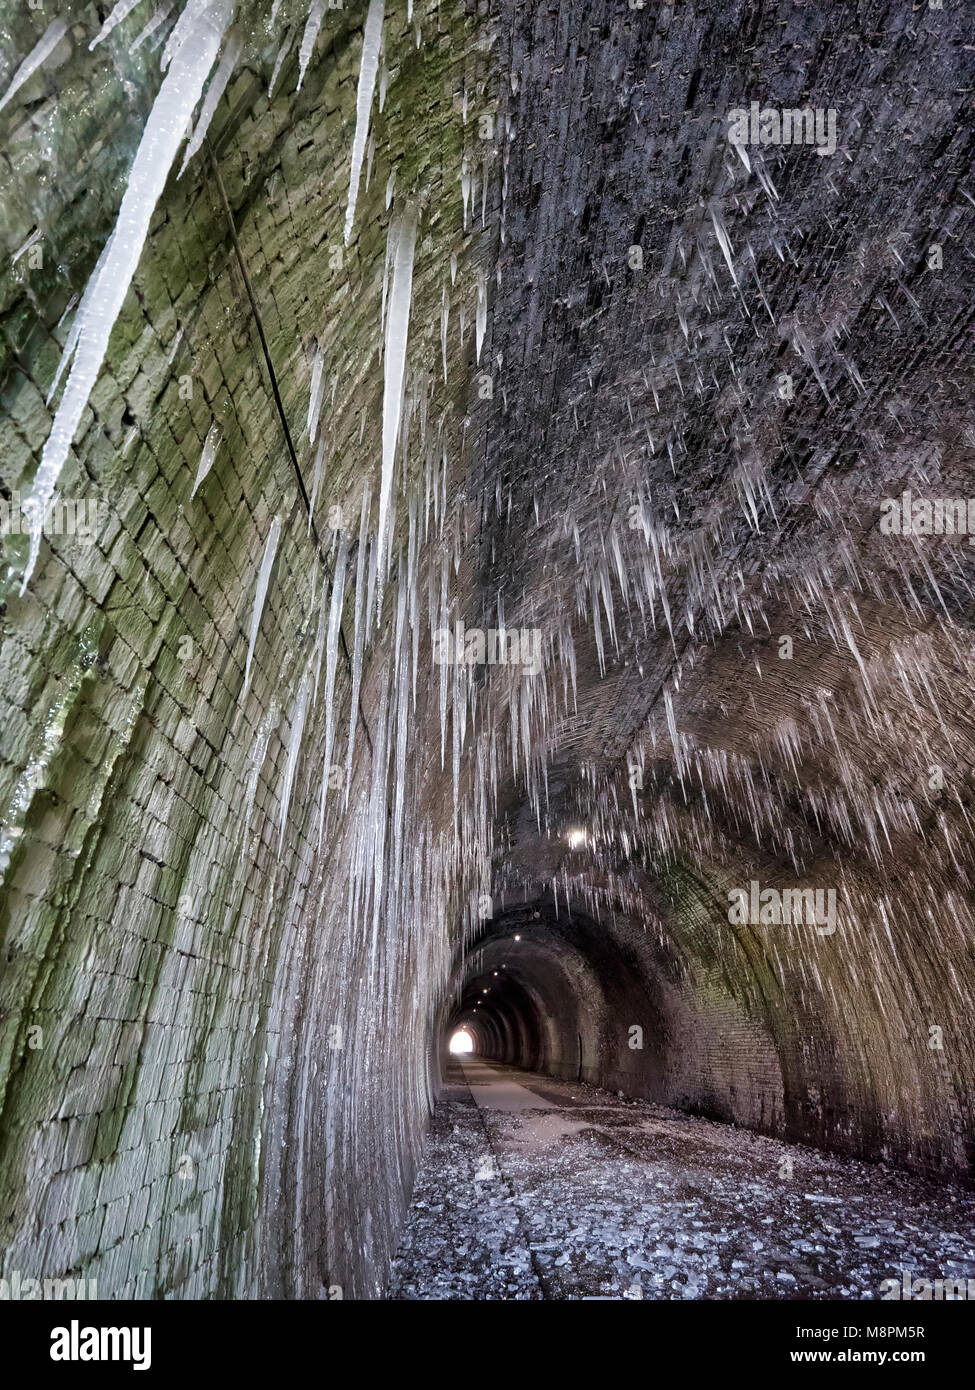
(591, 1195)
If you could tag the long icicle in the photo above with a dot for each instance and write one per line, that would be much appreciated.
(403, 234)
(260, 593)
(164, 133)
(372, 35)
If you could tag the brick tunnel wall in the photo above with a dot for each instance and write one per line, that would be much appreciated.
(763, 1026)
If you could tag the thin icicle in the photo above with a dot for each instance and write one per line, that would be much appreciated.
(121, 11)
(84, 308)
(39, 54)
(25, 246)
(216, 89)
(320, 635)
(359, 633)
(481, 320)
(210, 446)
(164, 133)
(282, 53)
(294, 748)
(371, 47)
(155, 22)
(331, 660)
(312, 26)
(260, 594)
(315, 395)
(317, 481)
(403, 234)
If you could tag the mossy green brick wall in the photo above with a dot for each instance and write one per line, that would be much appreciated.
(202, 1090)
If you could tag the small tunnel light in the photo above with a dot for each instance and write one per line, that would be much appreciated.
(495, 972)
(517, 938)
(576, 838)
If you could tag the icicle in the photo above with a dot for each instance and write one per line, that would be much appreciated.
(371, 46)
(256, 762)
(724, 243)
(210, 446)
(331, 660)
(317, 480)
(282, 53)
(358, 639)
(260, 593)
(25, 246)
(121, 11)
(84, 308)
(39, 54)
(320, 635)
(294, 748)
(156, 22)
(481, 321)
(164, 133)
(216, 89)
(403, 237)
(312, 26)
(315, 396)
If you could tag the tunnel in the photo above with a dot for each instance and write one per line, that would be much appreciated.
(487, 505)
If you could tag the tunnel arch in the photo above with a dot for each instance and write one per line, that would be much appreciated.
(565, 977)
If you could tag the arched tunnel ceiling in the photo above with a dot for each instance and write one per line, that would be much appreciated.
(656, 387)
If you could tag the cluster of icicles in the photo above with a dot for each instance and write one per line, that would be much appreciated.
(633, 576)
(202, 31)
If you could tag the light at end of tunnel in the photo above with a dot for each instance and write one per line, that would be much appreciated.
(517, 938)
(462, 1041)
(576, 838)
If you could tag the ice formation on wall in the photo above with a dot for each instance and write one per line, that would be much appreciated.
(119, 12)
(402, 239)
(203, 25)
(39, 54)
(215, 90)
(260, 594)
(210, 446)
(372, 38)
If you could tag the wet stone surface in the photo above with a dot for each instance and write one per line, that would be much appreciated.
(594, 1196)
